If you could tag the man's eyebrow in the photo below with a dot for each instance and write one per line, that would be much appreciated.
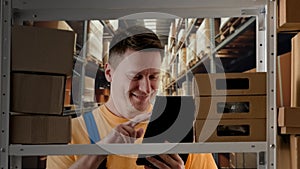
(136, 72)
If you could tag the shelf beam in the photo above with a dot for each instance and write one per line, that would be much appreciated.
(136, 9)
(154, 148)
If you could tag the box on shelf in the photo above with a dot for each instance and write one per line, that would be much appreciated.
(62, 25)
(68, 90)
(283, 153)
(230, 130)
(295, 72)
(67, 100)
(40, 129)
(295, 151)
(229, 84)
(69, 83)
(231, 107)
(95, 40)
(289, 117)
(89, 82)
(250, 70)
(37, 93)
(47, 50)
(289, 130)
(289, 15)
(283, 80)
(243, 160)
(89, 95)
(203, 39)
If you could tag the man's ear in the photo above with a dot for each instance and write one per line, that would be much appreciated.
(108, 72)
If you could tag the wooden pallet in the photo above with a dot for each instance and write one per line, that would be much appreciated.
(231, 25)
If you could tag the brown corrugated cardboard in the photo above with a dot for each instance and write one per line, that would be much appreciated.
(283, 80)
(295, 151)
(69, 83)
(289, 130)
(283, 152)
(289, 15)
(62, 25)
(229, 130)
(42, 50)
(295, 72)
(230, 84)
(231, 107)
(39, 129)
(67, 100)
(289, 117)
(243, 160)
(38, 94)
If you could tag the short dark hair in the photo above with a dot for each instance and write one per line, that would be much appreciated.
(136, 38)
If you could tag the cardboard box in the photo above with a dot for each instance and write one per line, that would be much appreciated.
(37, 49)
(67, 100)
(295, 151)
(289, 130)
(89, 95)
(230, 130)
(40, 129)
(289, 15)
(231, 107)
(69, 83)
(295, 72)
(89, 82)
(229, 84)
(203, 39)
(283, 80)
(95, 40)
(62, 25)
(38, 94)
(283, 154)
(243, 160)
(289, 117)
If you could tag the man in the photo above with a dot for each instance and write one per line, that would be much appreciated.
(133, 69)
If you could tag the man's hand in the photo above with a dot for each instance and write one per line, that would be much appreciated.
(171, 161)
(126, 133)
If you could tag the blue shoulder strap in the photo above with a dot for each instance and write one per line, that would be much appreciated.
(91, 127)
(93, 132)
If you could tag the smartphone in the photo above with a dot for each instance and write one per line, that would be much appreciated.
(172, 121)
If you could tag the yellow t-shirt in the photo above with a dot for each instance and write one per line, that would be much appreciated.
(106, 121)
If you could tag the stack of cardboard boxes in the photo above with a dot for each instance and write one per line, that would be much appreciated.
(288, 88)
(42, 58)
(288, 103)
(231, 107)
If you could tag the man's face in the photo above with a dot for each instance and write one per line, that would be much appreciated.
(135, 82)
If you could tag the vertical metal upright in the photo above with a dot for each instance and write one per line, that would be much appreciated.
(5, 36)
(271, 82)
(82, 71)
(212, 45)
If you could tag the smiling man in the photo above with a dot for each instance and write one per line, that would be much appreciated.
(133, 70)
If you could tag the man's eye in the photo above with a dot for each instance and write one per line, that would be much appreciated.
(154, 77)
(137, 77)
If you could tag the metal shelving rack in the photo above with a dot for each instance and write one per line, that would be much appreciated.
(16, 11)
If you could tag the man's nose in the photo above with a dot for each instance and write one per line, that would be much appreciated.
(145, 85)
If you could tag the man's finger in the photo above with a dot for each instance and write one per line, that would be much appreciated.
(138, 119)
